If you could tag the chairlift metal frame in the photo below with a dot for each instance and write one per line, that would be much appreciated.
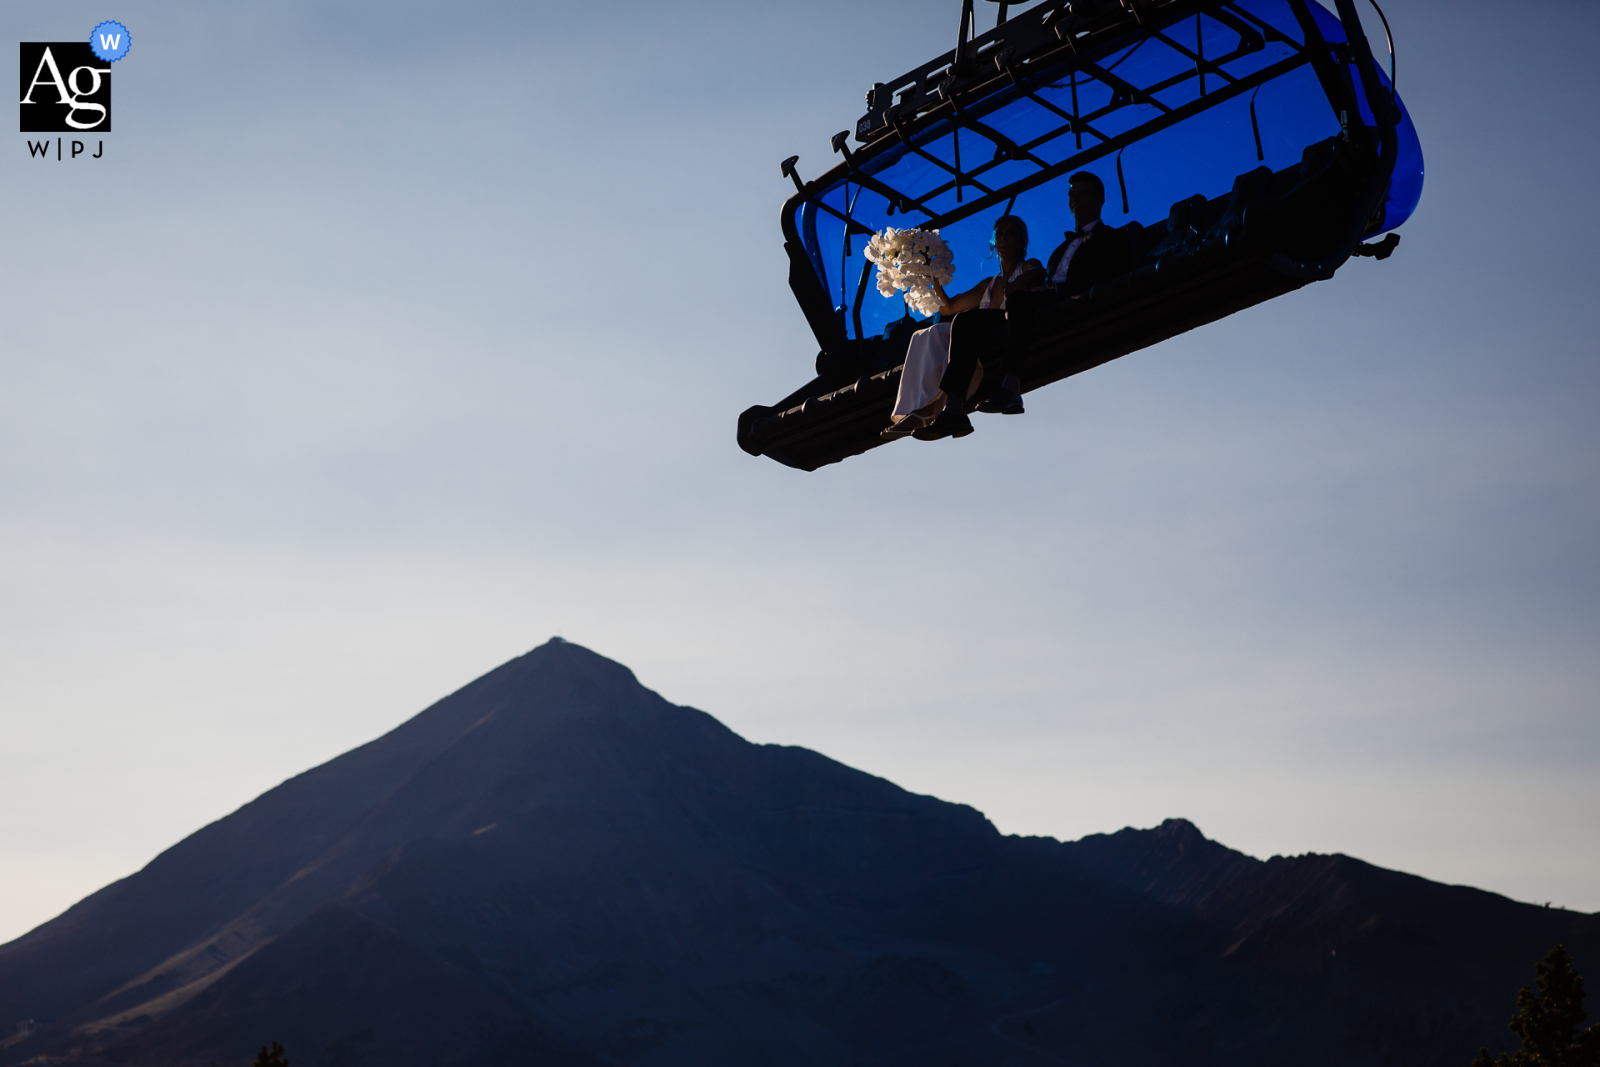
(1057, 42)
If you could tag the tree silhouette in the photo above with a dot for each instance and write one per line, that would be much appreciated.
(271, 1057)
(1548, 1021)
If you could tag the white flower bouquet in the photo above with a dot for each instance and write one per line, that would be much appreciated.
(912, 262)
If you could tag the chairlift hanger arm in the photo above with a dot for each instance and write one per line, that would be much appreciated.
(1370, 205)
(1367, 66)
(1334, 86)
(1388, 36)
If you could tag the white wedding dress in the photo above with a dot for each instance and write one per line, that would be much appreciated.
(926, 358)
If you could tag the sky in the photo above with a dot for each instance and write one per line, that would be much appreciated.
(385, 341)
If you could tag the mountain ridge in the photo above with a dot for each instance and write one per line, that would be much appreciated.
(555, 858)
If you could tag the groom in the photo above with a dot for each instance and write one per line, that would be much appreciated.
(1091, 253)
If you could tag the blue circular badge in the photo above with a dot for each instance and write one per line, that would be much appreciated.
(110, 41)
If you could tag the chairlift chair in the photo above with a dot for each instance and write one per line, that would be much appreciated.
(1252, 147)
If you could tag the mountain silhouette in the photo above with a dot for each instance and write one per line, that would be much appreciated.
(554, 865)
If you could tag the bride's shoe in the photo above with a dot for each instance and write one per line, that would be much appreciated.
(924, 416)
(907, 426)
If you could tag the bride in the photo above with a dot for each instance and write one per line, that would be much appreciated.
(920, 399)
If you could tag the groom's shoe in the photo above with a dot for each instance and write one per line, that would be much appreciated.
(952, 423)
(1002, 402)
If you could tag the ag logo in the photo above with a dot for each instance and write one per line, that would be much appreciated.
(65, 89)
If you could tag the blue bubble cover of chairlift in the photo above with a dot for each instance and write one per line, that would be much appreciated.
(1226, 61)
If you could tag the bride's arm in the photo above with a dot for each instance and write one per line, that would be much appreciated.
(965, 302)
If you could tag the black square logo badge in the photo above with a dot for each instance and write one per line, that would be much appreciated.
(66, 88)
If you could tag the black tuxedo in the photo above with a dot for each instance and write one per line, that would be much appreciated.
(1105, 253)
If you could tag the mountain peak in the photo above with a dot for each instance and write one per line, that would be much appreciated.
(1181, 831)
(555, 864)
(535, 670)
